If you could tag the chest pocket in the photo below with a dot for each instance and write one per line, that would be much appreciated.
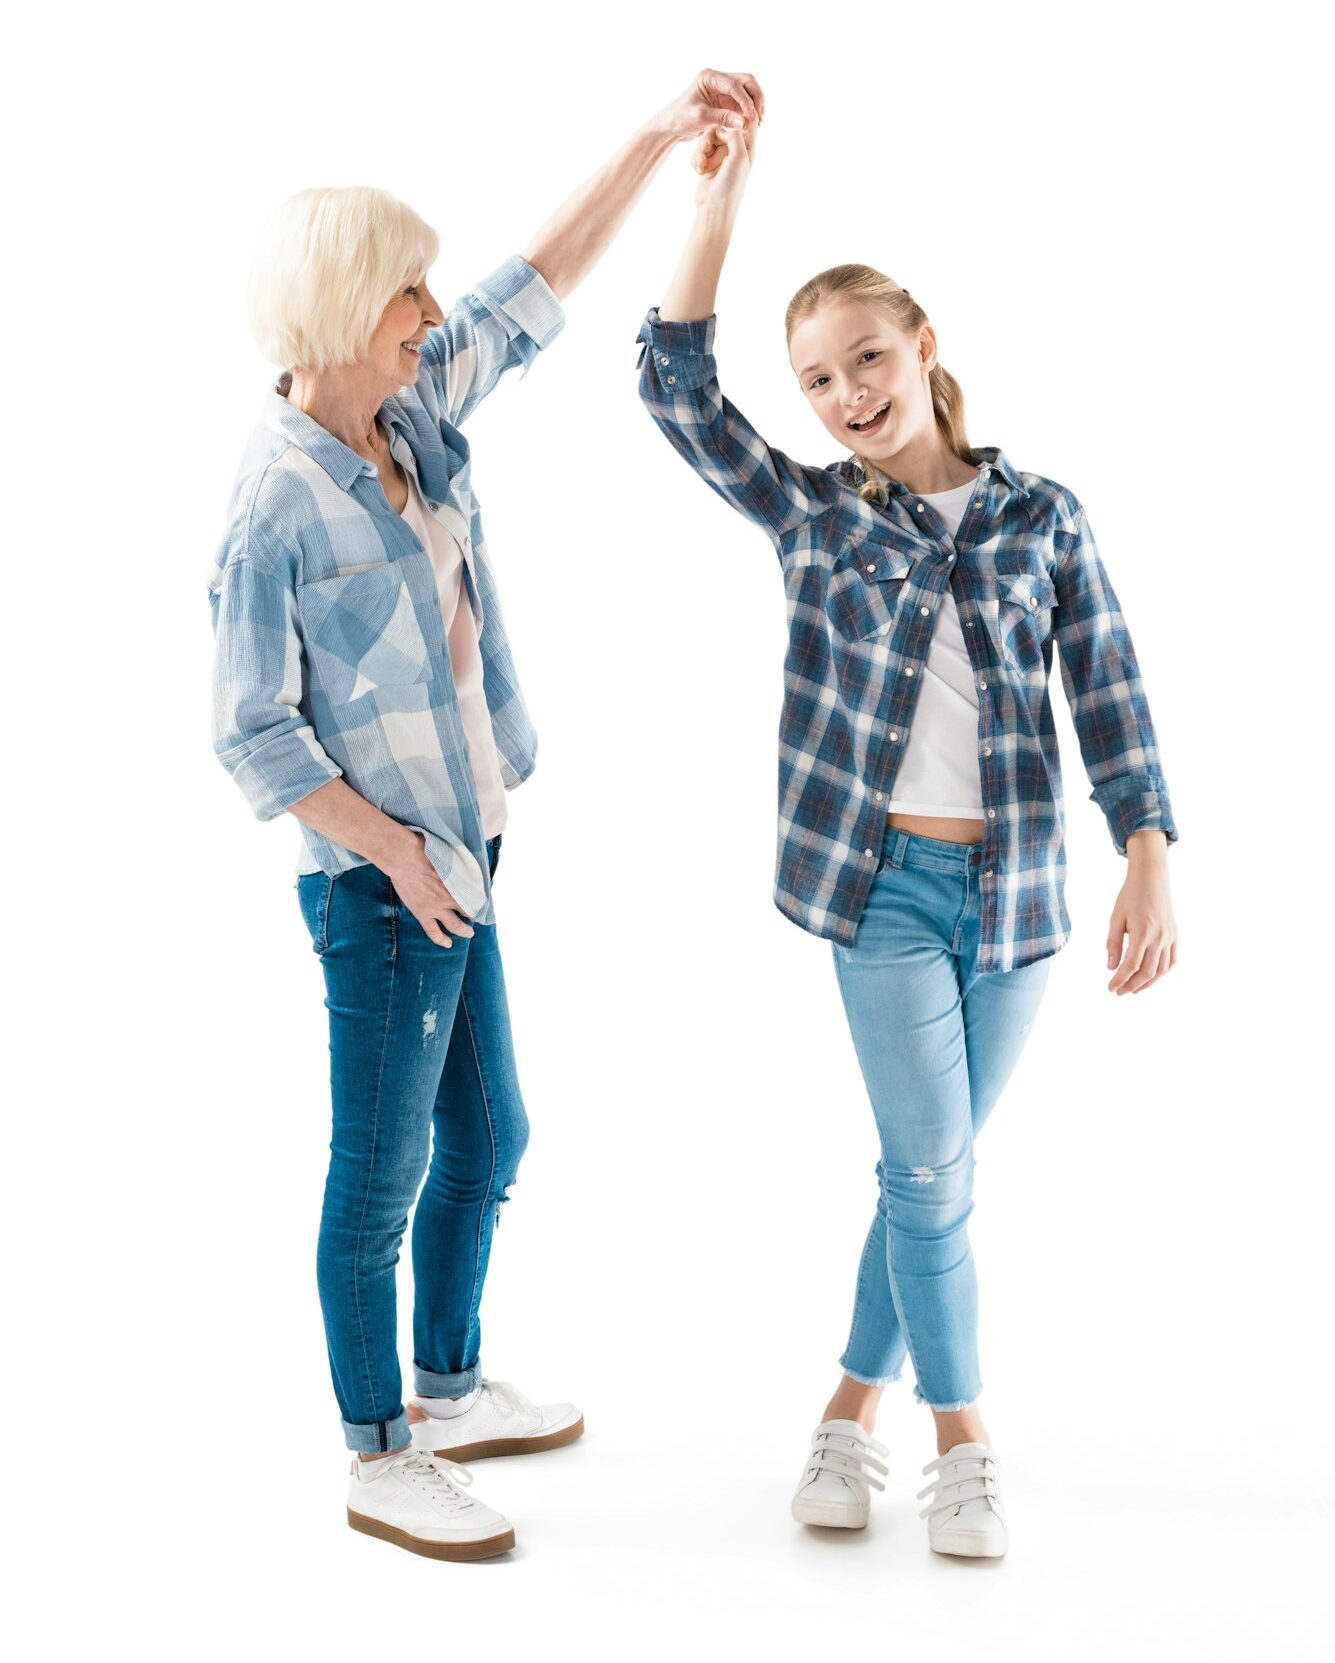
(865, 590)
(362, 633)
(1025, 617)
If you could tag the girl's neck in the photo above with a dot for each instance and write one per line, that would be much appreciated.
(929, 469)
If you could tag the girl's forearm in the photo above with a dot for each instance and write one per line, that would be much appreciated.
(691, 293)
(574, 239)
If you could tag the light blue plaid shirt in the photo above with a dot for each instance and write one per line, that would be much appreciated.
(330, 652)
(864, 585)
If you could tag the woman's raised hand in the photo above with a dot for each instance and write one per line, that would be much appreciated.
(716, 98)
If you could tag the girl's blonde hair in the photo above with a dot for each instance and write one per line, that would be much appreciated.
(328, 263)
(875, 289)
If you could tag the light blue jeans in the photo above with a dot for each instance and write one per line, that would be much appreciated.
(937, 1042)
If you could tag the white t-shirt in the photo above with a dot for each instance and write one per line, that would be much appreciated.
(939, 772)
(461, 636)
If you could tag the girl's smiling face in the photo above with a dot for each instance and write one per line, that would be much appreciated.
(865, 378)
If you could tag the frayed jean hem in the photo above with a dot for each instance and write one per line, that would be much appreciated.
(867, 1379)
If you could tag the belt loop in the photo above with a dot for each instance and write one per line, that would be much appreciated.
(898, 845)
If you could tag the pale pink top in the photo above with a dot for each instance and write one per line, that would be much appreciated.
(461, 635)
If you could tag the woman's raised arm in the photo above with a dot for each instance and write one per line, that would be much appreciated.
(569, 245)
(507, 318)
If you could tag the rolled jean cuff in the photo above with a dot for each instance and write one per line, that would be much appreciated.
(378, 1436)
(869, 1379)
(426, 1384)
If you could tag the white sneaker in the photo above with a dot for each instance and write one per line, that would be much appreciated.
(835, 1487)
(415, 1502)
(964, 1517)
(502, 1421)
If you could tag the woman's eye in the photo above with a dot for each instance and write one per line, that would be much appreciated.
(412, 290)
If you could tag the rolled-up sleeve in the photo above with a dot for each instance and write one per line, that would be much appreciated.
(260, 734)
(502, 323)
(1103, 686)
(680, 389)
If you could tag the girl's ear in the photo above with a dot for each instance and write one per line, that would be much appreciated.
(927, 354)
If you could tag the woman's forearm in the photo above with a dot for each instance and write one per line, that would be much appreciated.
(694, 286)
(345, 817)
(570, 243)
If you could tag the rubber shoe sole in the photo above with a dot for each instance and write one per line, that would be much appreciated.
(512, 1446)
(969, 1544)
(831, 1514)
(486, 1548)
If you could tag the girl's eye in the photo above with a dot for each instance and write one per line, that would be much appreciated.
(816, 383)
(871, 352)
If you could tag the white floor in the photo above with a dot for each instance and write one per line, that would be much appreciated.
(630, 1552)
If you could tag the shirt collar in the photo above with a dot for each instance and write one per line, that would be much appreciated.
(342, 464)
(984, 456)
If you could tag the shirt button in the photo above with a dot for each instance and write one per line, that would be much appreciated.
(983, 685)
(909, 671)
(1033, 600)
(665, 362)
(894, 733)
(949, 558)
(989, 873)
(870, 569)
(985, 472)
(868, 853)
(926, 610)
(672, 381)
(991, 814)
(880, 796)
(922, 507)
(987, 750)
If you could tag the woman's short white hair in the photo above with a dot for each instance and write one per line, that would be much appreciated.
(328, 263)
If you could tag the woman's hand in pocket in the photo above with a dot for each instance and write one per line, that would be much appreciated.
(419, 888)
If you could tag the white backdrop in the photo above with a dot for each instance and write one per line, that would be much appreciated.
(1111, 215)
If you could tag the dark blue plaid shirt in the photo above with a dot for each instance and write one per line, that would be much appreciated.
(864, 583)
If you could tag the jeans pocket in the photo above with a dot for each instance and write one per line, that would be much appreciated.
(314, 892)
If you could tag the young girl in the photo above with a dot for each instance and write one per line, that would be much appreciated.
(920, 809)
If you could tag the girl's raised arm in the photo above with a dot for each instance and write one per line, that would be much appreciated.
(678, 376)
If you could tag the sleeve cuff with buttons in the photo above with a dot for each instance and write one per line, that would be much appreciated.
(682, 350)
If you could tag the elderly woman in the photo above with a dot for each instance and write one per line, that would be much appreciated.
(364, 684)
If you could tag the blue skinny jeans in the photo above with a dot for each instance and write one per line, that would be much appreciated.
(936, 1042)
(423, 1081)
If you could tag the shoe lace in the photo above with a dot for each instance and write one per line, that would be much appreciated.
(439, 1479)
(953, 1489)
(509, 1398)
(847, 1456)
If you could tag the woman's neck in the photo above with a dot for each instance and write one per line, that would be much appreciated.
(344, 399)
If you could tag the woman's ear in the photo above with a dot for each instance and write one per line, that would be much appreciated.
(927, 348)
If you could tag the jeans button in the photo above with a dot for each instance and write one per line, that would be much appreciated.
(976, 858)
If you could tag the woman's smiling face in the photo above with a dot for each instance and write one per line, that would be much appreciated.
(393, 349)
(864, 377)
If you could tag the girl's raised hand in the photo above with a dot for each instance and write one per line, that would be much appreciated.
(723, 160)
